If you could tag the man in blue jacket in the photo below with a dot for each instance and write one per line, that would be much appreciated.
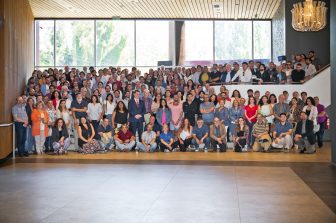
(136, 108)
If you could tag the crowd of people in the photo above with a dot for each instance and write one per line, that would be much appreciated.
(167, 110)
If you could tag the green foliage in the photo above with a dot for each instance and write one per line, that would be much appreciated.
(109, 47)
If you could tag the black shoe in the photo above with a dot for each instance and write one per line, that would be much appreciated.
(303, 151)
(26, 154)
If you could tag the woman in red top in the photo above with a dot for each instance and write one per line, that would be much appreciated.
(251, 111)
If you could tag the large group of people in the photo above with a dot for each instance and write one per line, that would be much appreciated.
(167, 109)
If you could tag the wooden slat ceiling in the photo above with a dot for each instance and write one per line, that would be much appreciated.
(166, 9)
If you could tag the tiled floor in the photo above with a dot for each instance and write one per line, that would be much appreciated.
(156, 193)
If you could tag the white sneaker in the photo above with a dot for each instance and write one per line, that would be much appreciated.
(205, 150)
(166, 151)
(111, 147)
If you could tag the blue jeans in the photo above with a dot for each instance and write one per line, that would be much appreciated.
(320, 134)
(250, 138)
(232, 127)
(30, 140)
(143, 149)
(107, 145)
(21, 133)
(206, 141)
(47, 144)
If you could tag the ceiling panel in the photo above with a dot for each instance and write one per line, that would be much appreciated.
(165, 9)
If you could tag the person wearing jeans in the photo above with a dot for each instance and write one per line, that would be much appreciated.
(200, 135)
(282, 134)
(124, 140)
(21, 123)
(148, 140)
(321, 120)
(30, 140)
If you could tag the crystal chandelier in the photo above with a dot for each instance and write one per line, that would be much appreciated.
(309, 16)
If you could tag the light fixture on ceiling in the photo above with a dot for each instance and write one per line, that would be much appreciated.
(237, 2)
(217, 8)
(309, 16)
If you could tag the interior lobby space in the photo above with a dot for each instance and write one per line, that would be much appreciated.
(167, 111)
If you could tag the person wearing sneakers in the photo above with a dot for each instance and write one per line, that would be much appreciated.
(200, 136)
(167, 143)
(105, 134)
(282, 134)
(218, 136)
(148, 140)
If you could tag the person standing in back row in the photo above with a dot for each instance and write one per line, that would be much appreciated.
(21, 123)
(137, 110)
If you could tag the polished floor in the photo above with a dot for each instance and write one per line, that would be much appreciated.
(44, 192)
(321, 156)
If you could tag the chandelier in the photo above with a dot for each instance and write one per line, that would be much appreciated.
(309, 16)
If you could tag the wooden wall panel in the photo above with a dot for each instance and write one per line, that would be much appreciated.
(16, 60)
(165, 9)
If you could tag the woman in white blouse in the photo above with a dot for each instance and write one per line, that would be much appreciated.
(95, 112)
(311, 111)
(63, 113)
(109, 107)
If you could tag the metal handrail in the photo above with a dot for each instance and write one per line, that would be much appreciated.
(6, 125)
(272, 83)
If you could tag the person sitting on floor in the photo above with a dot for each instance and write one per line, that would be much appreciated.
(60, 140)
(240, 136)
(185, 135)
(200, 136)
(260, 133)
(148, 140)
(86, 142)
(304, 135)
(282, 134)
(167, 143)
(105, 134)
(218, 135)
(125, 140)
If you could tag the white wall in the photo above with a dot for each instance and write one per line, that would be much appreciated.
(318, 86)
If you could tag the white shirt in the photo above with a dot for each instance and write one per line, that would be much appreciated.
(310, 69)
(228, 77)
(244, 76)
(195, 77)
(94, 111)
(313, 113)
(109, 108)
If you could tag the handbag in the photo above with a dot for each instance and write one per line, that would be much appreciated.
(316, 128)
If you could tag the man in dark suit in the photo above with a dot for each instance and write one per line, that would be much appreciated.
(304, 135)
(136, 108)
(228, 74)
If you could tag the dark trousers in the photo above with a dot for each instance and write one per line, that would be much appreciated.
(163, 146)
(95, 125)
(320, 134)
(20, 132)
(47, 144)
(136, 126)
(184, 146)
(222, 146)
(250, 139)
